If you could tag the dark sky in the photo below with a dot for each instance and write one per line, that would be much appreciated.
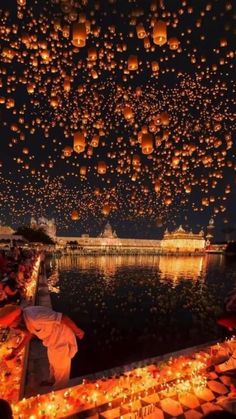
(193, 156)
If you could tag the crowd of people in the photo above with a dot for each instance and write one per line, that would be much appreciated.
(56, 330)
(16, 266)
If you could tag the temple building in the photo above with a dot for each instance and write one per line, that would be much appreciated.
(181, 240)
(7, 234)
(108, 233)
(6, 231)
(48, 226)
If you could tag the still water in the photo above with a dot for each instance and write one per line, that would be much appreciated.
(135, 307)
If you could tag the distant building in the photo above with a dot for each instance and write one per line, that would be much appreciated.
(6, 231)
(210, 230)
(178, 241)
(183, 241)
(48, 226)
(108, 233)
(7, 234)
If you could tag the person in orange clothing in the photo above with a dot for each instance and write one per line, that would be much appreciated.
(57, 332)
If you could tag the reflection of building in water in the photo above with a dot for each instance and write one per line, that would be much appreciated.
(188, 267)
(53, 278)
(183, 241)
(106, 265)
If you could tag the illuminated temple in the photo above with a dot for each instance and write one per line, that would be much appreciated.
(181, 240)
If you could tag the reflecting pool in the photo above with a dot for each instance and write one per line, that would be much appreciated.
(134, 307)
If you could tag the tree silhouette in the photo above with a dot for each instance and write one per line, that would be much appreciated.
(34, 236)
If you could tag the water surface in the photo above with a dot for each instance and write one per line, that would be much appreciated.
(134, 307)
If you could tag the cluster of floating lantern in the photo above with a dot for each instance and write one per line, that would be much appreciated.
(140, 89)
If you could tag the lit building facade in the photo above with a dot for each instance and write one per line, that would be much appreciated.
(183, 241)
(178, 241)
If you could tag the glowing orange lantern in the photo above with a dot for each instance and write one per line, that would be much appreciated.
(136, 160)
(92, 54)
(67, 151)
(83, 170)
(147, 143)
(74, 215)
(173, 43)
(164, 117)
(160, 33)
(106, 209)
(155, 66)
(79, 35)
(157, 186)
(95, 141)
(133, 62)
(79, 142)
(141, 33)
(66, 84)
(102, 168)
(127, 112)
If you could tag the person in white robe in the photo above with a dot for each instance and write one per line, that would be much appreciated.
(57, 332)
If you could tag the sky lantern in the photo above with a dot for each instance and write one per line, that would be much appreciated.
(25, 150)
(83, 170)
(21, 2)
(157, 186)
(147, 143)
(102, 168)
(141, 33)
(146, 42)
(66, 84)
(106, 209)
(10, 103)
(54, 101)
(167, 201)
(94, 74)
(164, 118)
(79, 142)
(133, 63)
(95, 141)
(173, 43)
(79, 34)
(127, 112)
(175, 161)
(136, 160)
(160, 33)
(223, 42)
(30, 88)
(187, 188)
(138, 91)
(67, 151)
(155, 66)
(92, 54)
(74, 215)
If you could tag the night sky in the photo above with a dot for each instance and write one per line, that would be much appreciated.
(180, 98)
